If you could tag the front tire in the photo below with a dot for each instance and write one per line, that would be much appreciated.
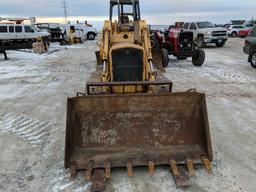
(91, 36)
(200, 41)
(165, 57)
(253, 59)
(234, 34)
(154, 42)
(198, 57)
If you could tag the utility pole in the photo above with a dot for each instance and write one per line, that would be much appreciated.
(65, 8)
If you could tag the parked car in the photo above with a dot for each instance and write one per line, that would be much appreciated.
(14, 37)
(53, 29)
(248, 27)
(206, 32)
(250, 47)
(233, 30)
(82, 30)
(13, 32)
(244, 32)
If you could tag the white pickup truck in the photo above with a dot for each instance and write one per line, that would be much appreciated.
(82, 31)
(205, 32)
(13, 32)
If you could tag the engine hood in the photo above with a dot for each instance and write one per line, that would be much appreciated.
(213, 29)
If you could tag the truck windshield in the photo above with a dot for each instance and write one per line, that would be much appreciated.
(35, 28)
(202, 25)
(250, 23)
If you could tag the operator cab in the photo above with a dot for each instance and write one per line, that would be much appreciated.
(127, 12)
(127, 62)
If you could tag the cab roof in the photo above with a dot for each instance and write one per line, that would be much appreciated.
(127, 2)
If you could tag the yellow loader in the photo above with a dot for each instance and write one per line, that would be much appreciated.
(129, 115)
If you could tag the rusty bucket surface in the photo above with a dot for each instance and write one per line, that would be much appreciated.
(136, 129)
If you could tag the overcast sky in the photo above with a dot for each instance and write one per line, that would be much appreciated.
(155, 11)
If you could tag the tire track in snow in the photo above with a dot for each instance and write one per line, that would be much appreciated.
(26, 128)
(37, 80)
(51, 70)
(214, 71)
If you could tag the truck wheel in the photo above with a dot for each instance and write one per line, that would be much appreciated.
(198, 57)
(200, 41)
(234, 34)
(91, 36)
(154, 42)
(220, 44)
(253, 59)
(165, 57)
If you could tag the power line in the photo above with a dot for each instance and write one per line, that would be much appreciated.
(65, 8)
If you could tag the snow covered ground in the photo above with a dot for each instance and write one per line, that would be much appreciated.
(33, 93)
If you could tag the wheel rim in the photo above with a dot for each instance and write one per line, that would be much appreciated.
(200, 42)
(91, 36)
(254, 59)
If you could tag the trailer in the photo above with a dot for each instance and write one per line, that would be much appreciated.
(14, 46)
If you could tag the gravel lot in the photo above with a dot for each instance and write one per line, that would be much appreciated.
(33, 93)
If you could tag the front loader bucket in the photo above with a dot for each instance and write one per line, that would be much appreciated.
(110, 131)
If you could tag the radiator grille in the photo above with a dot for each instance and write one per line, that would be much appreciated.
(127, 64)
(219, 33)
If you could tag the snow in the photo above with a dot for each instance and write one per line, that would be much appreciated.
(33, 95)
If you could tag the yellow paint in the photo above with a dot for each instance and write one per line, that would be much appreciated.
(112, 38)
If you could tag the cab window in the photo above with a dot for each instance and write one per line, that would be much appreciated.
(28, 29)
(18, 29)
(186, 25)
(3, 29)
(43, 26)
(192, 26)
(11, 29)
(238, 27)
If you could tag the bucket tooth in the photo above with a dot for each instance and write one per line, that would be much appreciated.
(88, 172)
(129, 169)
(207, 164)
(107, 169)
(190, 166)
(174, 169)
(88, 175)
(151, 166)
(99, 181)
(183, 179)
(73, 171)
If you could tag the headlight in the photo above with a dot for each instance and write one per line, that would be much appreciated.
(181, 45)
(209, 33)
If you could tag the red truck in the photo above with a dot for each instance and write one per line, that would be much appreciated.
(244, 32)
